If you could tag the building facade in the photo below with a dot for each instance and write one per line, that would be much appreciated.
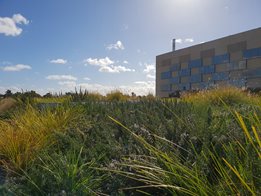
(232, 60)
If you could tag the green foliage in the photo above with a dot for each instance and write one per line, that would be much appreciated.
(59, 174)
(164, 170)
(196, 145)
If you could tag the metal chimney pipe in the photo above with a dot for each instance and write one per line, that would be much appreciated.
(173, 44)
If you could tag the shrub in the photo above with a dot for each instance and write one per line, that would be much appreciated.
(116, 96)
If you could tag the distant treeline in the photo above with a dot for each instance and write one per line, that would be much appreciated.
(77, 95)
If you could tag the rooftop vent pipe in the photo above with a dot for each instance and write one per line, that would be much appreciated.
(173, 44)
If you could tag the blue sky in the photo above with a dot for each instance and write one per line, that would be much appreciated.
(101, 45)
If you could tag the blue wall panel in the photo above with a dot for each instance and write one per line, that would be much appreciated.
(251, 53)
(184, 72)
(174, 80)
(195, 63)
(221, 76)
(208, 69)
(224, 58)
(165, 75)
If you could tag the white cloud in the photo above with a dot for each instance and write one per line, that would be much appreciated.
(107, 69)
(102, 89)
(69, 84)
(150, 76)
(86, 78)
(61, 77)
(106, 65)
(179, 41)
(115, 69)
(8, 26)
(125, 62)
(189, 40)
(99, 62)
(186, 40)
(58, 61)
(18, 67)
(19, 19)
(117, 46)
(143, 87)
(149, 68)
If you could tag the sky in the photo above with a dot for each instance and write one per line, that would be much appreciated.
(105, 45)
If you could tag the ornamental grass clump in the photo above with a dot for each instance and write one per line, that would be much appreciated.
(116, 96)
(28, 132)
(220, 95)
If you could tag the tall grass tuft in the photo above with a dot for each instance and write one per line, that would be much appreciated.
(30, 131)
(60, 174)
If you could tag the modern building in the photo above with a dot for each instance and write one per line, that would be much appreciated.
(232, 60)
